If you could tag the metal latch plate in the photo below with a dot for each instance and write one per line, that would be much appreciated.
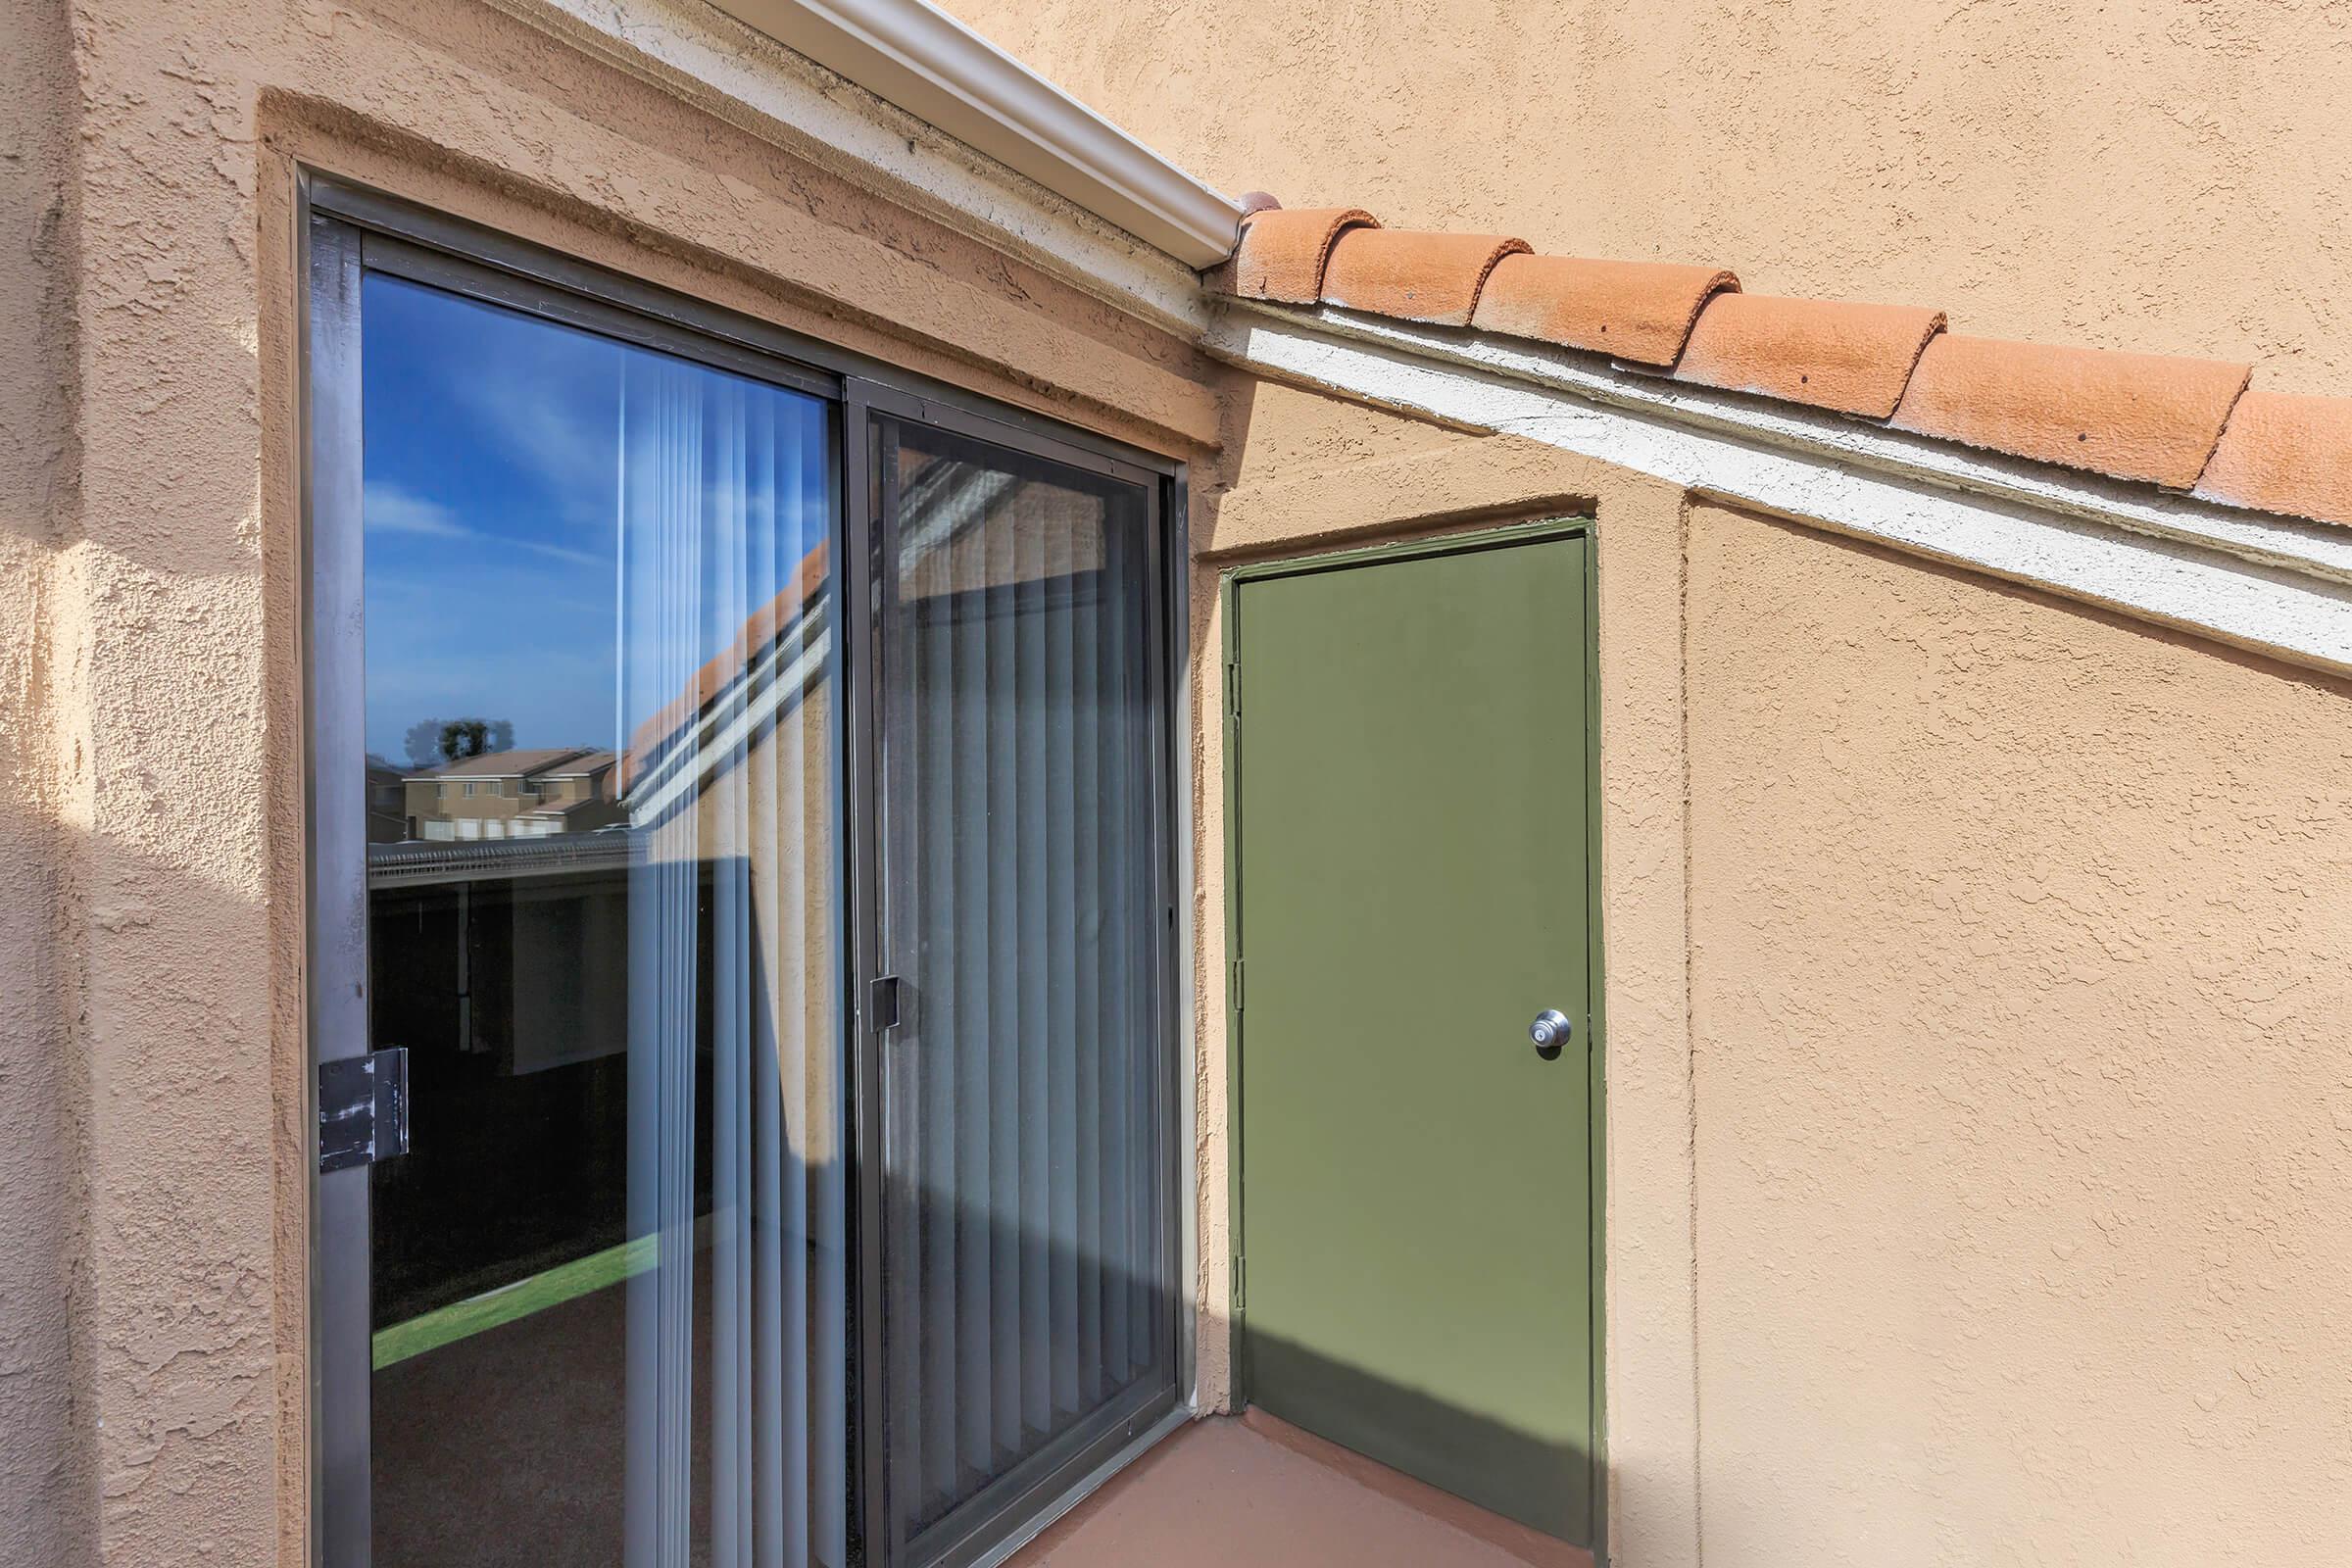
(363, 1108)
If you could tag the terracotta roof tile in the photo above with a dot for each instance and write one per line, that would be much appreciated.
(1853, 359)
(1416, 276)
(1636, 311)
(2285, 451)
(2178, 423)
(1282, 251)
(2134, 415)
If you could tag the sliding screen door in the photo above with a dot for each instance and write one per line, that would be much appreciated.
(608, 1278)
(1025, 1256)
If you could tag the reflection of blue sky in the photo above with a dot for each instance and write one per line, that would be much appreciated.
(494, 517)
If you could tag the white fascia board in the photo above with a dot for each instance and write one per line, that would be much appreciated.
(2271, 584)
(913, 54)
(741, 75)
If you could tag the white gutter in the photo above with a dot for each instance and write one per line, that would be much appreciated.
(739, 75)
(912, 53)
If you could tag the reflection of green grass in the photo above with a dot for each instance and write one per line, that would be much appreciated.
(552, 1288)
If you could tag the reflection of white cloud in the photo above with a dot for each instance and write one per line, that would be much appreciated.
(389, 509)
(553, 413)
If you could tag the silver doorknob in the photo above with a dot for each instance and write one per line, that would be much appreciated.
(1550, 1032)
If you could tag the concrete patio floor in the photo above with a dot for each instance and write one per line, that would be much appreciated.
(1253, 1491)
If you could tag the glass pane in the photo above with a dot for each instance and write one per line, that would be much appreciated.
(610, 1294)
(1024, 1284)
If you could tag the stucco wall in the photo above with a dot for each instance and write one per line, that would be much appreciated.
(152, 1060)
(2023, 1113)
(2144, 174)
(47, 1496)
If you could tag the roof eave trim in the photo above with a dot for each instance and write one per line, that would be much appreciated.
(913, 55)
(2278, 585)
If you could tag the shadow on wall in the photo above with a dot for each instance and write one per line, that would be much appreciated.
(48, 1504)
(1532, 1478)
(1303, 470)
(48, 1494)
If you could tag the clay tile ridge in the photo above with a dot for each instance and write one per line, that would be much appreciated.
(2185, 423)
(1639, 311)
(2284, 452)
(1853, 359)
(2132, 416)
(1283, 250)
(1412, 276)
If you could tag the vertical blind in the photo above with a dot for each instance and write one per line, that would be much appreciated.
(1022, 1258)
(737, 1328)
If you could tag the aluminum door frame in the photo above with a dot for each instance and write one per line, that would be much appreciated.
(342, 231)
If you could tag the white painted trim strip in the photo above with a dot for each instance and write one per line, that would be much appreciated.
(737, 74)
(913, 54)
(2269, 584)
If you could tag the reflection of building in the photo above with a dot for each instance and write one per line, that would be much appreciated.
(514, 795)
(508, 968)
(387, 802)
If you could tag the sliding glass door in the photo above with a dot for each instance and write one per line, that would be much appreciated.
(739, 857)
(610, 1275)
(1028, 1307)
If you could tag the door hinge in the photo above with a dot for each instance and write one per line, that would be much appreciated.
(1236, 985)
(1240, 1281)
(1233, 690)
(363, 1108)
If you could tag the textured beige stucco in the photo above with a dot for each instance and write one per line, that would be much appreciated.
(2023, 1106)
(47, 1494)
(2144, 174)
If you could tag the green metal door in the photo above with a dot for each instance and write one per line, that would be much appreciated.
(1411, 843)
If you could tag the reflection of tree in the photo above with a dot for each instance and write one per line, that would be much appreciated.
(431, 742)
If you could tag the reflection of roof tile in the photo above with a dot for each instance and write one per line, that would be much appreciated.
(2188, 424)
(558, 761)
(764, 626)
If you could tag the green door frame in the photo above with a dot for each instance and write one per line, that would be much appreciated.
(1596, 1055)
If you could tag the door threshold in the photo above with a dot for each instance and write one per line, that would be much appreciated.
(1523, 1541)
(1242, 1492)
(1086, 1485)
